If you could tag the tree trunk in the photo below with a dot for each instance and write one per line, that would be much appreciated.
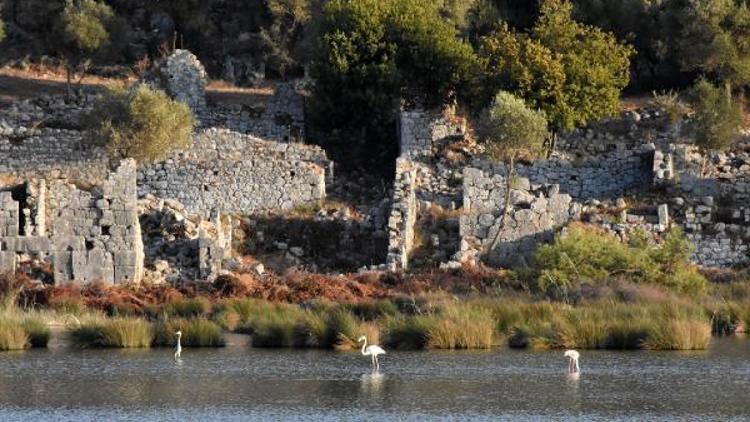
(69, 84)
(552, 144)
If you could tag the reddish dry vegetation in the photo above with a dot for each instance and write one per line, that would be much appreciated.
(293, 287)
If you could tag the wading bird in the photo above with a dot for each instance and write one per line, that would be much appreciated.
(572, 356)
(178, 349)
(371, 350)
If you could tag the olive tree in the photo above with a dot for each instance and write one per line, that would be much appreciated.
(511, 130)
(82, 30)
(573, 72)
(141, 123)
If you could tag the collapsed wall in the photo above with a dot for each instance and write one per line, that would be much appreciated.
(87, 235)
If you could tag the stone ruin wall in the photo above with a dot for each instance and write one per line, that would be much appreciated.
(238, 174)
(403, 216)
(588, 179)
(221, 170)
(87, 235)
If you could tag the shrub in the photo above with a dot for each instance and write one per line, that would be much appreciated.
(585, 255)
(115, 332)
(196, 332)
(188, 308)
(718, 117)
(142, 123)
(12, 335)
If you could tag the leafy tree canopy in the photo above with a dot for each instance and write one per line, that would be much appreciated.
(374, 52)
(573, 72)
(511, 129)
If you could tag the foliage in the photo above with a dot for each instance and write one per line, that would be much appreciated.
(142, 123)
(573, 72)
(196, 332)
(585, 255)
(712, 39)
(373, 52)
(188, 308)
(511, 129)
(115, 332)
(288, 20)
(2, 30)
(718, 117)
(84, 24)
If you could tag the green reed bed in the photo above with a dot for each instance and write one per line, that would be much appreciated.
(196, 332)
(113, 333)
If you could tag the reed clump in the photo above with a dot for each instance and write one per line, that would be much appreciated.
(196, 332)
(13, 336)
(114, 333)
(188, 308)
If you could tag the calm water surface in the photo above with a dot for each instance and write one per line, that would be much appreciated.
(240, 383)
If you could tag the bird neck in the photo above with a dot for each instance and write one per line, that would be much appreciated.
(178, 341)
(364, 345)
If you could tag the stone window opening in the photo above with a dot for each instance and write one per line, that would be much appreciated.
(106, 230)
(89, 245)
(21, 195)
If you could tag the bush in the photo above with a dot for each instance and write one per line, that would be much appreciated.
(718, 117)
(679, 335)
(116, 332)
(585, 255)
(278, 330)
(408, 332)
(142, 123)
(196, 332)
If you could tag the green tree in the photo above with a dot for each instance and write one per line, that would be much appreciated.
(511, 130)
(573, 72)
(718, 117)
(141, 123)
(83, 30)
(711, 38)
(374, 52)
(2, 31)
(288, 20)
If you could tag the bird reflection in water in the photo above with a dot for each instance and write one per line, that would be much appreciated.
(372, 382)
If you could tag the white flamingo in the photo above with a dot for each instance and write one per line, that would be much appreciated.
(371, 350)
(573, 356)
(178, 349)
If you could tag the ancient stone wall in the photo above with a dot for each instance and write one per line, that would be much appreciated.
(87, 235)
(420, 131)
(507, 239)
(182, 76)
(403, 216)
(282, 120)
(238, 174)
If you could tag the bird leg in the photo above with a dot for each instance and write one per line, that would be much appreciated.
(377, 363)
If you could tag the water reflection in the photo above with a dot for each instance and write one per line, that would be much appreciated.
(242, 383)
(372, 383)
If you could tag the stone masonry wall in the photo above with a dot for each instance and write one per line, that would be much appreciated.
(94, 234)
(221, 169)
(420, 130)
(403, 216)
(536, 212)
(238, 174)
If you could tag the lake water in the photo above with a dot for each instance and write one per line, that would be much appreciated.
(238, 383)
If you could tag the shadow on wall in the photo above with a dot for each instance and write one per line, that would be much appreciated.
(281, 243)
